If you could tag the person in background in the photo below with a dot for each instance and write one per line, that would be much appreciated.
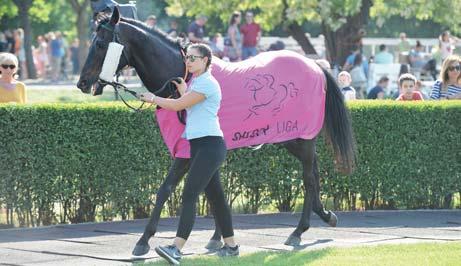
(202, 100)
(104, 8)
(407, 87)
(11, 90)
(217, 45)
(349, 64)
(65, 58)
(276, 46)
(377, 92)
(196, 30)
(42, 56)
(404, 45)
(173, 30)
(447, 44)
(422, 63)
(3, 43)
(344, 82)
(20, 52)
(448, 87)
(233, 49)
(10, 41)
(417, 58)
(404, 68)
(74, 57)
(359, 78)
(151, 21)
(403, 48)
(383, 57)
(418, 87)
(57, 53)
(251, 33)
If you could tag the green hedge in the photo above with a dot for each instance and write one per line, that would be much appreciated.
(81, 162)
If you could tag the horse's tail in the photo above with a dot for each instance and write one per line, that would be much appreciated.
(338, 127)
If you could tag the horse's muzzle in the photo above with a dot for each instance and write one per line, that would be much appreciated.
(86, 87)
(97, 88)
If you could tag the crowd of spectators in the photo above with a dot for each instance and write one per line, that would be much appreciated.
(53, 57)
(415, 64)
(240, 41)
(56, 60)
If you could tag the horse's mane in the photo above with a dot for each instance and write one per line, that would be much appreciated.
(177, 42)
(154, 31)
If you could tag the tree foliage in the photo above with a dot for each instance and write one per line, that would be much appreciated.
(445, 13)
(39, 11)
(331, 14)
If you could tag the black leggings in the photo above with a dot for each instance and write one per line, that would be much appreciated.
(207, 155)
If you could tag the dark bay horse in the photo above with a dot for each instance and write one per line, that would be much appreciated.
(157, 58)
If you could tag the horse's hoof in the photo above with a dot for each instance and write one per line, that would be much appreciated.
(293, 241)
(140, 249)
(333, 219)
(214, 244)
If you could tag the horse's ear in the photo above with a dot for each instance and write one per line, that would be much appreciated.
(115, 16)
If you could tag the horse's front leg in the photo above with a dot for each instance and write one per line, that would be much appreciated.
(178, 169)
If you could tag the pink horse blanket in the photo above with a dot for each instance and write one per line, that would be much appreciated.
(271, 98)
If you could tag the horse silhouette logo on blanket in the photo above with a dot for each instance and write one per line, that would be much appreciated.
(267, 95)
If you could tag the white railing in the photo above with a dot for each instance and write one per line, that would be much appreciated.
(370, 44)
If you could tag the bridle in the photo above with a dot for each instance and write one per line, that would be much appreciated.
(118, 86)
(115, 84)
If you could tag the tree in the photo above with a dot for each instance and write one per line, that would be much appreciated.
(340, 38)
(342, 22)
(81, 8)
(23, 12)
(27, 11)
(288, 13)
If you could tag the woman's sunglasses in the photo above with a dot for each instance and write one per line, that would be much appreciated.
(192, 57)
(453, 68)
(8, 66)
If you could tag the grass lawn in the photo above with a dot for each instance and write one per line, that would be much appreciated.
(404, 254)
(71, 96)
(64, 96)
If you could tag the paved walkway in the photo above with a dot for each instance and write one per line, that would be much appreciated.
(111, 243)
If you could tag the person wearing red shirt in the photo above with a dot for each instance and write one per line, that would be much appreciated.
(407, 84)
(251, 33)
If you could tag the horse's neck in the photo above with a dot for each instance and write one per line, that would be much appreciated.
(154, 59)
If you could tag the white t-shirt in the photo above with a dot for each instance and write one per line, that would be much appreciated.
(446, 49)
(202, 118)
(349, 93)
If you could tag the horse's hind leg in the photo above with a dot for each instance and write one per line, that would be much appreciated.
(327, 216)
(304, 150)
(178, 169)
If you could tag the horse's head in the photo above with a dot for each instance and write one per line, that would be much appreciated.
(89, 77)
